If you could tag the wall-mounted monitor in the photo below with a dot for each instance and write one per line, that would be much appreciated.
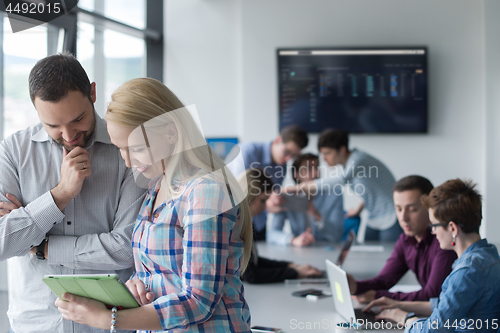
(360, 90)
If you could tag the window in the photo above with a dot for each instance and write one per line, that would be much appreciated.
(20, 53)
(115, 40)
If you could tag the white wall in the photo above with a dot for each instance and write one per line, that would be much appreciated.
(492, 120)
(202, 60)
(221, 56)
(3, 276)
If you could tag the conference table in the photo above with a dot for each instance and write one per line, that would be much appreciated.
(273, 305)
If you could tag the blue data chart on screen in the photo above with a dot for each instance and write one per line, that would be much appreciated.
(357, 90)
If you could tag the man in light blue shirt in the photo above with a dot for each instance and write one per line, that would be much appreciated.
(272, 158)
(69, 202)
(323, 222)
(367, 176)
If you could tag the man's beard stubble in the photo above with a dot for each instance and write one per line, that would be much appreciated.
(86, 137)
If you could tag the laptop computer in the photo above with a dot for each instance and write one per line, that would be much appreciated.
(344, 250)
(354, 318)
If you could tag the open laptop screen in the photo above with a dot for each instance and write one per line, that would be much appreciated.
(345, 248)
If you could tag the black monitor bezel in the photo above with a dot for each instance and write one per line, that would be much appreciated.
(359, 48)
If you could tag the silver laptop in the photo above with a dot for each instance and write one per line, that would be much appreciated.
(344, 250)
(353, 318)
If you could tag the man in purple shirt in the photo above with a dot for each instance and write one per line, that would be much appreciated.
(416, 249)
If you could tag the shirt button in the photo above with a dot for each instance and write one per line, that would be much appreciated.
(68, 223)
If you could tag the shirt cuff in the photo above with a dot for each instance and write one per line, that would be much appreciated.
(61, 250)
(364, 286)
(44, 212)
(415, 326)
(381, 293)
(289, 239)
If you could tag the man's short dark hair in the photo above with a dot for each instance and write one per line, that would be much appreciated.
(413, 182)
(299, 161)
(458, 201)
(334, 139)
(296, 134)
(54, 76)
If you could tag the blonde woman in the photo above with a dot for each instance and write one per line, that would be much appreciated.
(193, 236)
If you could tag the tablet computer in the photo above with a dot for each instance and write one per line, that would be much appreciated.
(296, 202)
(106, 288)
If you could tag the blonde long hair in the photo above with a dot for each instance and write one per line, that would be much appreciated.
(138, 101)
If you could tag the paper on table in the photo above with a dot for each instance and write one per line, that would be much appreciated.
(405, 288)
(367, 248)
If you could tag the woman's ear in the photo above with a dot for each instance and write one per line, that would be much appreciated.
(453, 227)
(172, 133)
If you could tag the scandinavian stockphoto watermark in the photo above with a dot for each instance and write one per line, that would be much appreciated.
(456, 324)
(330, 324)
(349, 174)
(173, 145)
(26, 14)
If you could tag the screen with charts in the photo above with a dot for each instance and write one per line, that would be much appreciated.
(357, 90)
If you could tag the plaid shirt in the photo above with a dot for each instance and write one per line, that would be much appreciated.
(191, 261)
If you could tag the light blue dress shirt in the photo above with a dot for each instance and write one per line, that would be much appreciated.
(330, 206)
(372, 181)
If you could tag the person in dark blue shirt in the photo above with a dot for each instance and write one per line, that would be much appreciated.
(272, 158)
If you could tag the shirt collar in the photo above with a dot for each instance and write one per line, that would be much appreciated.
(354, 152)
(426, 238)
(479, 244)
(100, 133)
(154, 183)
(41, 135)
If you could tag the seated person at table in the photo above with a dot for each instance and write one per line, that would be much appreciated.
(272, 157)
(470, 296)
(259, 269)
(416, 249)
(368, 177)
(326, 223)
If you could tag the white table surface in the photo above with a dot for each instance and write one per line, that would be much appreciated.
(273, 304)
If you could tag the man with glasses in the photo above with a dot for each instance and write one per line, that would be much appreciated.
(272, 158)
(416, 249)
